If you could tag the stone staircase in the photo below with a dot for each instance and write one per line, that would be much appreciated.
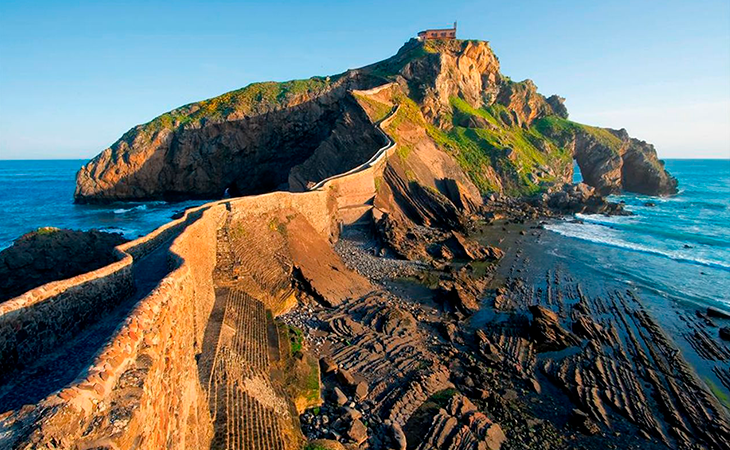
(248, 412)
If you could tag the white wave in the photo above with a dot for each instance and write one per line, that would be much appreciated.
(600, 235)
(600, 218)
(127, 210)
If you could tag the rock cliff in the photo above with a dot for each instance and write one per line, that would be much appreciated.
(504, 135)
(50, 254)
(245, 141)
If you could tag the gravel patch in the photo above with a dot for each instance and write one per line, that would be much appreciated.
(361, 253)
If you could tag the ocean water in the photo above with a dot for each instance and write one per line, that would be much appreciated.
(35, 194)
(679, 248)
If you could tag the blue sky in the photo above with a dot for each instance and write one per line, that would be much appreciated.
(74, 76)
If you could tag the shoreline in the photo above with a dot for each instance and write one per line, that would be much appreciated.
(534, 389)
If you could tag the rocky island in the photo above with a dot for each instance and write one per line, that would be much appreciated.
(373, 283)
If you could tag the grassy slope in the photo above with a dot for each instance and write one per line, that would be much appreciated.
(543, 145)
(477, 148)
(255, 97)
(376, 110)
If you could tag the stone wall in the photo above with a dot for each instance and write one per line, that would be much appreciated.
(37, 321)
(317, 206)
(143, 389)
(354, 191)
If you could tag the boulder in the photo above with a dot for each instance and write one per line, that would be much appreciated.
(327, 365)
(717, 312)
(470, 249)
(725, 333)
(399, 437)
(583, 423)
(339, 397)
(357, 431)
(547, 332)
(351, 413)
(361, 390)
(494, 437)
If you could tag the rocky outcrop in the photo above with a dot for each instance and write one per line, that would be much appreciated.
(612, 161)
(502, 136)
(643, 172)
(577, 198)
(250, 149)
(557, 103)
(548, 333)
(462, 426)
(351, 142)
(51, 254)
(523, 102)
(463, 69)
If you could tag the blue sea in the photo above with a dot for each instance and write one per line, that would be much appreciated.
(36, 194)
(678, 248)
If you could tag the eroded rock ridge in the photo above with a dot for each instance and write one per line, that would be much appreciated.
(506, 136)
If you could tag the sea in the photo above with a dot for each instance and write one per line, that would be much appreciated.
(677, 247)
(39, 193)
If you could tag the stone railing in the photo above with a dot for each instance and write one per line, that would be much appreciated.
(355, 189)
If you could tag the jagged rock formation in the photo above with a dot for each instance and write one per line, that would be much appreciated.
(221, 348)
(246, 142)
(461, 426)
(504, 135)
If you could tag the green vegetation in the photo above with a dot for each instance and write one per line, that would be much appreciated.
(238, 231)
(46, 230)
(408, 112)
(392, 66)
(296, 339)
(378, 182)
(276, 225)
(299, 369)
(472, 158)
(379, 110)
(564, 129)
(717, 392)
(315, 447)
(256, 97)
(311, 383)
(510, 150)
(441, 398)
(403, 150)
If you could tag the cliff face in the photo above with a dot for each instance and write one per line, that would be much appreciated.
(504, 135)
(246, 142)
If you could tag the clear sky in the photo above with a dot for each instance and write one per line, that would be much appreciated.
(74, 76)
